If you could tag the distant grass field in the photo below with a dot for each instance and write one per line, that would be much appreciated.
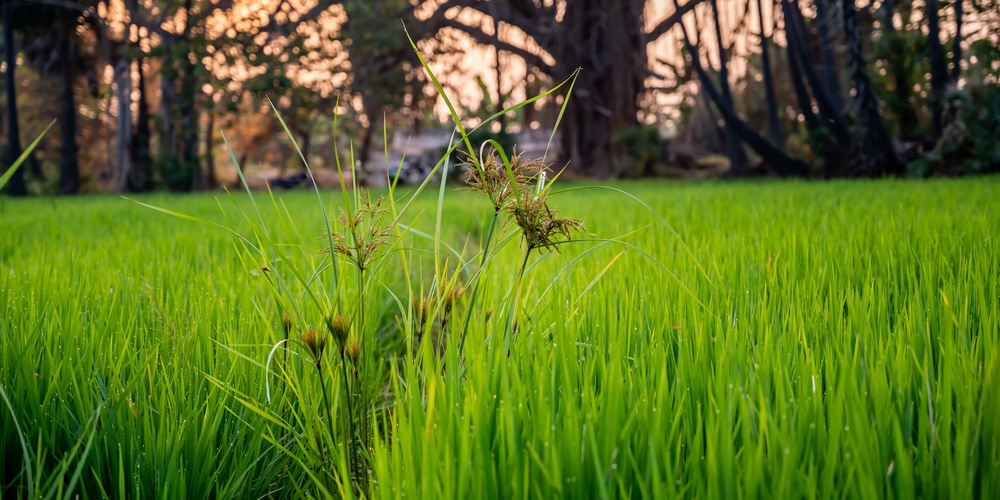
(791, 340)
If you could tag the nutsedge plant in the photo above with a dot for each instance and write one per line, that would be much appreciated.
(847, 346)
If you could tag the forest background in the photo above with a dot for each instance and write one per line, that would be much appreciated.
(143, 90)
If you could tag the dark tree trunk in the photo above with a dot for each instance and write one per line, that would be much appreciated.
(187, 106)
(141, 175)
(123, 93)
(211, 182)
(189, 125)
(956, 47)
(142, 161)
(831, 117)
(773, 125)
(875, 152)
(605, 38)
(819, 138)
(831, 70)
(772, 156)
(69, 170)
(733, 146)
(15, 186)
(365, 154)
(939, 66)
(901, 100)
(168, 141)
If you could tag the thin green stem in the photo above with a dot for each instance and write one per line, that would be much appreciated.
(512, 322)
(351, 458)
(326, 400)
(362, 417)
(475, 287)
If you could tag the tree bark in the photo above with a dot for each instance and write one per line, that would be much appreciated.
(831, 117)
(123, 93)
(875, 152)
(901, 103)
(69, 169)
(772, 156)
(188, 107)
(956, 47)
(605, 38)
(733, 146)
(141, 178)
(142, 160)
(15, 186)
(828, 58)
(168, 142)
(939, 67)
(773, 124)
(211, 181)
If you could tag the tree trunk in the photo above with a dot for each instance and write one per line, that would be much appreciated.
(830, 70)
(605, 38)
(123, 93)
(773, 125)
(211, 181)
(733, 146)
(69, 170)
(956, 47)
(875, 152)
(367, 137)
(189, 125)
(15, 186)
(939, 67)
(169, 159)
(831, 117)
(772, 156)
(141, 175)
(900, 103)
(802, 94)
(142, 161)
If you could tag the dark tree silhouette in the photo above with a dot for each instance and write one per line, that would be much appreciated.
(783, 164)
(15, 186)
(939, 66)
(604, 37)
(876, 155)
(773, 125)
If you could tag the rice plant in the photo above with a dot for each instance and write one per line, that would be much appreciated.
(768, 339)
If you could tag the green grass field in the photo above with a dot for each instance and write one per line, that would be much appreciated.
(789, 340)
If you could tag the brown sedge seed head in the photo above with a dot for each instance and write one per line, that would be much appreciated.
(315, 342)
(353, 349)
(339, 327)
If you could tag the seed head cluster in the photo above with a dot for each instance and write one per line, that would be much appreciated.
(364, 233)
(511, 191)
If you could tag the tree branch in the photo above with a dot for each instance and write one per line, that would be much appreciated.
(667, 24)
(439, 21)
(535, 25)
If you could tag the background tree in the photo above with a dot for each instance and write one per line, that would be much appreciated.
(605, 37)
